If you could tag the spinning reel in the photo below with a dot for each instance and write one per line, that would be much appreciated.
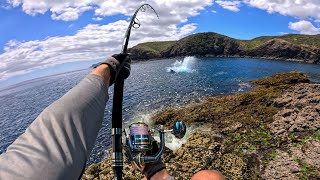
(139, 142)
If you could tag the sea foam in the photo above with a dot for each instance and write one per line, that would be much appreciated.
(186, 65)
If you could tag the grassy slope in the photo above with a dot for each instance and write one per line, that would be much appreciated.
(155, 46)
(306, 41)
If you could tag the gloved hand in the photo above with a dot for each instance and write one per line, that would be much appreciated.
(152, 168)
(119, 65)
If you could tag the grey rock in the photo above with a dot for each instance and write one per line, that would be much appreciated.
(308, 152)
(301, 110)
(283, 167)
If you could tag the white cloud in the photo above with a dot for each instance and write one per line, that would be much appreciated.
(68, 14)
(97, 18)
(14, 3)
(6, 7)
(296, 8)
(61, 10)
(230, 5)
(96, 41)
(71, 9)
(92, 42)
(213, 11)
(283, 33)
(304, 27)
(186, 29)
(71, 26)
(68, 10)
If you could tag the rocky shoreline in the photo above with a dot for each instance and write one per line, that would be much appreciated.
(271, 132)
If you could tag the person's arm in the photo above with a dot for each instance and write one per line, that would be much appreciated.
(58, 143)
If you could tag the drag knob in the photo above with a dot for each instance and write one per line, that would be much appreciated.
(179, 129)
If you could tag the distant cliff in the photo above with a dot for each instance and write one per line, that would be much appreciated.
(149, 50)
(203, 44)
(296, 47)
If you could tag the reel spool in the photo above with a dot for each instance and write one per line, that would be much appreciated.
(140, 137)
(139, 141)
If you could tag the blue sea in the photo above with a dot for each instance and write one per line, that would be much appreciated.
(151, 86)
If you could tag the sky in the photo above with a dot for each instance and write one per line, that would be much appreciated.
(45, 37)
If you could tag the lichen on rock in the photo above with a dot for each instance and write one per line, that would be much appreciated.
(283, 167)
(301, 105)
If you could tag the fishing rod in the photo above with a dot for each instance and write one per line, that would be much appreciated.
(138, 137)
(117, 162)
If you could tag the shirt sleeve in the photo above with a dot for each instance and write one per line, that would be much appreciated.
(58, 143)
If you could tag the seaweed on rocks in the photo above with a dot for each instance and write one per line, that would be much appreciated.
(270, 132)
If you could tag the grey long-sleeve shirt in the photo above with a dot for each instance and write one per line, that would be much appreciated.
(57, 144)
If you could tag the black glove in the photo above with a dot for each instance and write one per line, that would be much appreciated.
(152, 168)
(119, 65)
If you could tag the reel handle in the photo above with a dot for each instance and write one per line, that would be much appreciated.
(179, 129)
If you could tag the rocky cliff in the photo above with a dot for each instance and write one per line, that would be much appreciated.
(202, 45)
(271, 132)
(149, 50)
(281, 49)
(304, 48)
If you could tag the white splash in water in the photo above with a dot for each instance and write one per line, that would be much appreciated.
(145, 118)
(244, 86)
(219, 73)
(186, 65)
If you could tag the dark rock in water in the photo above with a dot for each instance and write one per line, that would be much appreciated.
(172, 71)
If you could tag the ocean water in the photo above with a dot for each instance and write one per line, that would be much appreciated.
(151, 86)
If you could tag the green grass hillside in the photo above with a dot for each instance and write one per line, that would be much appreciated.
(304, 48)
(155, 46)
(308, 41)
(311, 41)
(202, 44)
